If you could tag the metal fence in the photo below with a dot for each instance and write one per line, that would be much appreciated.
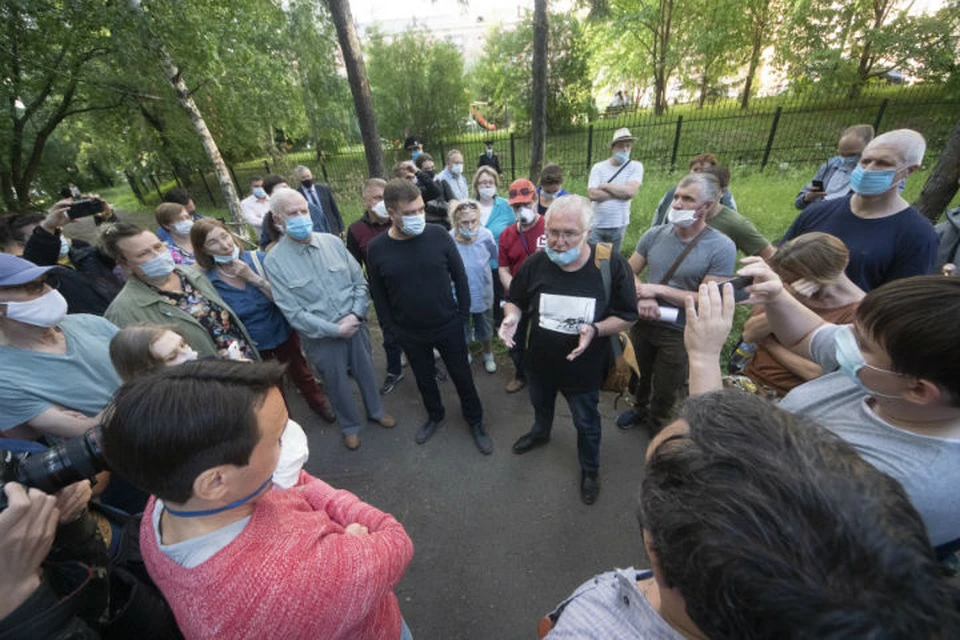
(774, 131)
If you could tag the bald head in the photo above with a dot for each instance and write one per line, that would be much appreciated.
(909, 145)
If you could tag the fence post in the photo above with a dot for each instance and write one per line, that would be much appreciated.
(880, 112)
(134, 186)
(323, 169)
(513, 159)
(773, 132)
(443, 154)
(153, 180)
(676, 144)
(589, 147)
(203, 179)
(266, 167)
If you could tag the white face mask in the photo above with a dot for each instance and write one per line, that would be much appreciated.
(487, 193)
(46, 311)
(186, 356)
(526, 215)
(456, 169)
(380, 210)
(682, 217)
(64, 246)
(183, 227)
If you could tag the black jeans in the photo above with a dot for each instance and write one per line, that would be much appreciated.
(518, 352)
(663, 369)
(391, 347)
(449, 342)
(585, 412)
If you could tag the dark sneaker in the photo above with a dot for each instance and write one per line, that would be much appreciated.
(427, 430)
(481, 439)
(390, 383)
(589, 487)
(631, 418)
(528, 442)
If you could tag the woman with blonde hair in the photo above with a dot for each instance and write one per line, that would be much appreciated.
(495, 215)
(812, 266)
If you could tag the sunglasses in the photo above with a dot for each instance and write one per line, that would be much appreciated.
(523, 191)
(467, 205)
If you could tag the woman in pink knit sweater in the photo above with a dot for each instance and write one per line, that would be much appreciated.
(233, 558)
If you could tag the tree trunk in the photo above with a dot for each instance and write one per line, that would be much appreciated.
(941, 186)
(538, 133)
(752, 70)
(703, 90)
(359, 86)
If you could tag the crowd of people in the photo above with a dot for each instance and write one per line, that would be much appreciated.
(817, 503)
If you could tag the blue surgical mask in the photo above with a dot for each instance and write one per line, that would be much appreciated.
(622, 157)
(851, 360)
(850, 160)
(468, 233)
(299, 227)
(183, 227)
(228, 259)
(456, 169)
(563, 258)
(415, 153)
(414, 225)
(64, 246)
(259, 192)
(871, 183)
(159, 266)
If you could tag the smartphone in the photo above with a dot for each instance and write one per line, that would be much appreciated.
(817, 185)
(740, 283)
(84, 207)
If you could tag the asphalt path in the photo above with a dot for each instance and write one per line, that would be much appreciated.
(498, 540)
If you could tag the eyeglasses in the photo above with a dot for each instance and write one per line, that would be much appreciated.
(467, 205)
(553, 234)
(523, 191)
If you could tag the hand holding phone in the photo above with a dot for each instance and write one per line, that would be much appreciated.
(740, 284)
(84, 207)
(817, 185)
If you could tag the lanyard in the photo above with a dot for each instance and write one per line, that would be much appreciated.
(523, 241)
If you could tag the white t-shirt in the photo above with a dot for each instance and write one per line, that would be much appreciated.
(613, 214)
(253, 211)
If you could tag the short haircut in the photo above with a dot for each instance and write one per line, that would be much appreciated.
(16, 224)
(163, 430)
(451, 153)
(178, 195)
(816, 256)
(915, 321)
(910, 143)
(552, 174)
(423, 158)
(301, 168)
(271, 181)
(371, 183)
(709, 185)
(399, 191)
(400, 169)
(198, 236)
(575, 203)
(772, 527)
(167, 213)
(111, 235)
(703, 158)
(863, 131)
(720, 172)
(130, 349)
(484, 171)
(255, 179)
(280, 195)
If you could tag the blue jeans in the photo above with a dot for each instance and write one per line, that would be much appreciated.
(405, 630)
(586, 417)
(613, 235)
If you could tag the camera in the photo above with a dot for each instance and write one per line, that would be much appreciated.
(70, 461)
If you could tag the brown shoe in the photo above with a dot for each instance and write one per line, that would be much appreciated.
(515, 385)
(387, 421)
(326, 412)
(351, 442)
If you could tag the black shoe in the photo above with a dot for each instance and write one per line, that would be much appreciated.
(528, 441)
(631, 418)
(481, 439)
(589, 486)
(390, 383)
(441, 374)
(427, 430)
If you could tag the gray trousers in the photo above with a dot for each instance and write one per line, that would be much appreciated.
(332, 358)
(613, 235)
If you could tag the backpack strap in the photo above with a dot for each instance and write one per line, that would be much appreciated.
(601, 258)
(256, 264)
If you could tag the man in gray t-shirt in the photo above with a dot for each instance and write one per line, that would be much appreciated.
(658, 336)
(891, 386)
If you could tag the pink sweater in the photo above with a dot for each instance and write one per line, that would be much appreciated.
(292, 572)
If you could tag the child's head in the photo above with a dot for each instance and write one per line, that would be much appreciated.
(141, 349)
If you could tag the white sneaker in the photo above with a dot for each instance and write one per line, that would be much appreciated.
(489, 364)
(469, 358)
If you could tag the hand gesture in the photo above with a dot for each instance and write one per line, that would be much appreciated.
(587, 333)
(766, 283)
(648, 308)
(238, 269)
(57, 215)
(508, 329)
(709, 321)
(27, 528)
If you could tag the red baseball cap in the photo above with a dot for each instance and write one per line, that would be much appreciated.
(521, 191)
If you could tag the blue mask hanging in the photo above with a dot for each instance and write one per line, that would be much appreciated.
(226, 507)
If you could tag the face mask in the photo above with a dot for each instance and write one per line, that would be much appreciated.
(187, 356)
(850, 160)
(547, 197)
(64, 247)
(232, 505)
(468, 233)
(682, 217)
(228, 259)
(487, 193)
(380, 210)
(622, 157)
(489, 153)
(46, 311)
(526, 214)
(871, 183)
(159, 267)
(563, 258)
(430, 173)
(183, 227)
(414, 225)
(300, 227)
(259, 192)
(307, 183)
(294, 453)
(415, 154)
(456, 169)
(851, 360)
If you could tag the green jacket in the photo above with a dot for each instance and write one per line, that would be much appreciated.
(138, 303)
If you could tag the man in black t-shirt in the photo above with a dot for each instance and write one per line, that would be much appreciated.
(571, 319)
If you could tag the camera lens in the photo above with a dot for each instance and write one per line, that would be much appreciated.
(70, 461)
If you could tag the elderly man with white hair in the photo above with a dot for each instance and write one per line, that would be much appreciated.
(578, 295)
(323, 206)
(887, 238)
(321, 290)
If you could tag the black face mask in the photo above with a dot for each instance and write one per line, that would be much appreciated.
(430, 174)
(307, 183)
